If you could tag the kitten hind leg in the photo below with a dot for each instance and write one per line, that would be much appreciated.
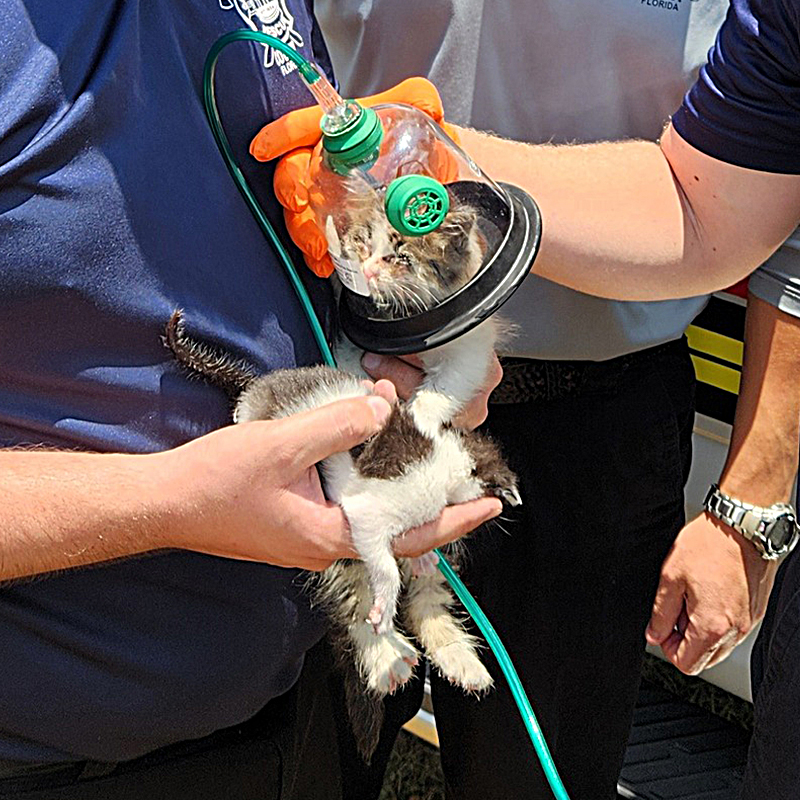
(452, 651)
(424, 564)
(384, 578)
(375, 550)
(384, 661)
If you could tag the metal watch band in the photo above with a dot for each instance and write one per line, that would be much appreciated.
(724, 508)
(753, 522)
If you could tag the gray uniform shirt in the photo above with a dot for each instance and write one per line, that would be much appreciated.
(541, 70)
(778, 280)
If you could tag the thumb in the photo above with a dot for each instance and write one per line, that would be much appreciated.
(666, 610)
(334, 428)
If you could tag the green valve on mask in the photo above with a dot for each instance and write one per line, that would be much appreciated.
(352, 137)
(416, 204)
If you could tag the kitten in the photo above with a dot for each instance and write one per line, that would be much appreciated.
(404, 275)
(400, 478)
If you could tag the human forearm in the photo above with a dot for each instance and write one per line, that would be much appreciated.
(714, 584)
(762, 459)
(595, 226)
(67, 509)
(248, 491)
(635, 221)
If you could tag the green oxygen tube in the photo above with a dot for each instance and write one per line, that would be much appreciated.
(335, 107)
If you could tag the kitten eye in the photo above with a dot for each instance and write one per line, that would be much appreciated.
(402, 259)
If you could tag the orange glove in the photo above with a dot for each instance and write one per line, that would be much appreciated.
(295, 137)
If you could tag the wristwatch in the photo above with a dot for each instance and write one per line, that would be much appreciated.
(773, 530)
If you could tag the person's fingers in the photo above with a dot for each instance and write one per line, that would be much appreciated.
(495, 374)
(302, 227)
(322, 267)
(683, 620)
(414, 359)
(725, 647)
(403, 375)
(317, 434)
(291, 178)
(332, 540)
(699, 634)
(451, 131)
(666, 611)
(444, 163)
(474, 415)
(298, 128)
(669, 646)
(418, 92)
(705, 634)
(477, 410)
(310, 563)
(453, 523)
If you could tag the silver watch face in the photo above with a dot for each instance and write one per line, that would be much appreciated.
(779, 533)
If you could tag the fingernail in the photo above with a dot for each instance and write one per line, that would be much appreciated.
(495, 512)
(380, 408)
(371, 361)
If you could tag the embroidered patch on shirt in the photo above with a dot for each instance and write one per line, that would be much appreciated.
(272, 17)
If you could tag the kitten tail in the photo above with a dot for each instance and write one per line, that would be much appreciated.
(231, 375)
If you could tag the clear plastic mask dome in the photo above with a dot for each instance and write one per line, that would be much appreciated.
(425, 244)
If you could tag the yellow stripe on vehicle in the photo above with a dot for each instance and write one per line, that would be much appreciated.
(717, 375)
(715, 344)
(422, 725)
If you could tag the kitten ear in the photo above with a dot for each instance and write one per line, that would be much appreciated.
(334, 242)
(459, 227)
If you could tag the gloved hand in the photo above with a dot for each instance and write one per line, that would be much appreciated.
(296, 136)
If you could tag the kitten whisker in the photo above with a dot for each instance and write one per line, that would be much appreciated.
(414, 296)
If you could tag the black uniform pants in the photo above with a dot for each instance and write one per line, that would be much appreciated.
(603, 451)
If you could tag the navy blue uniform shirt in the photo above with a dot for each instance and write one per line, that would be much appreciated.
(115, 208)
(745, 107)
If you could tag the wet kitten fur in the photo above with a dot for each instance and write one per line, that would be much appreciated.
(400, 478)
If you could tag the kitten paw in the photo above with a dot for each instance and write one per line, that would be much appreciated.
(459, 663)
(510, 496)
(389, 663)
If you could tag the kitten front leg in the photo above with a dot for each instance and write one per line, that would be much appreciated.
(452, 651)
(454, 374)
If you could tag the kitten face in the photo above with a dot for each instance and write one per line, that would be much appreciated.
(410, 274)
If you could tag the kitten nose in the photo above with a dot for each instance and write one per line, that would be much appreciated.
(372, 267)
